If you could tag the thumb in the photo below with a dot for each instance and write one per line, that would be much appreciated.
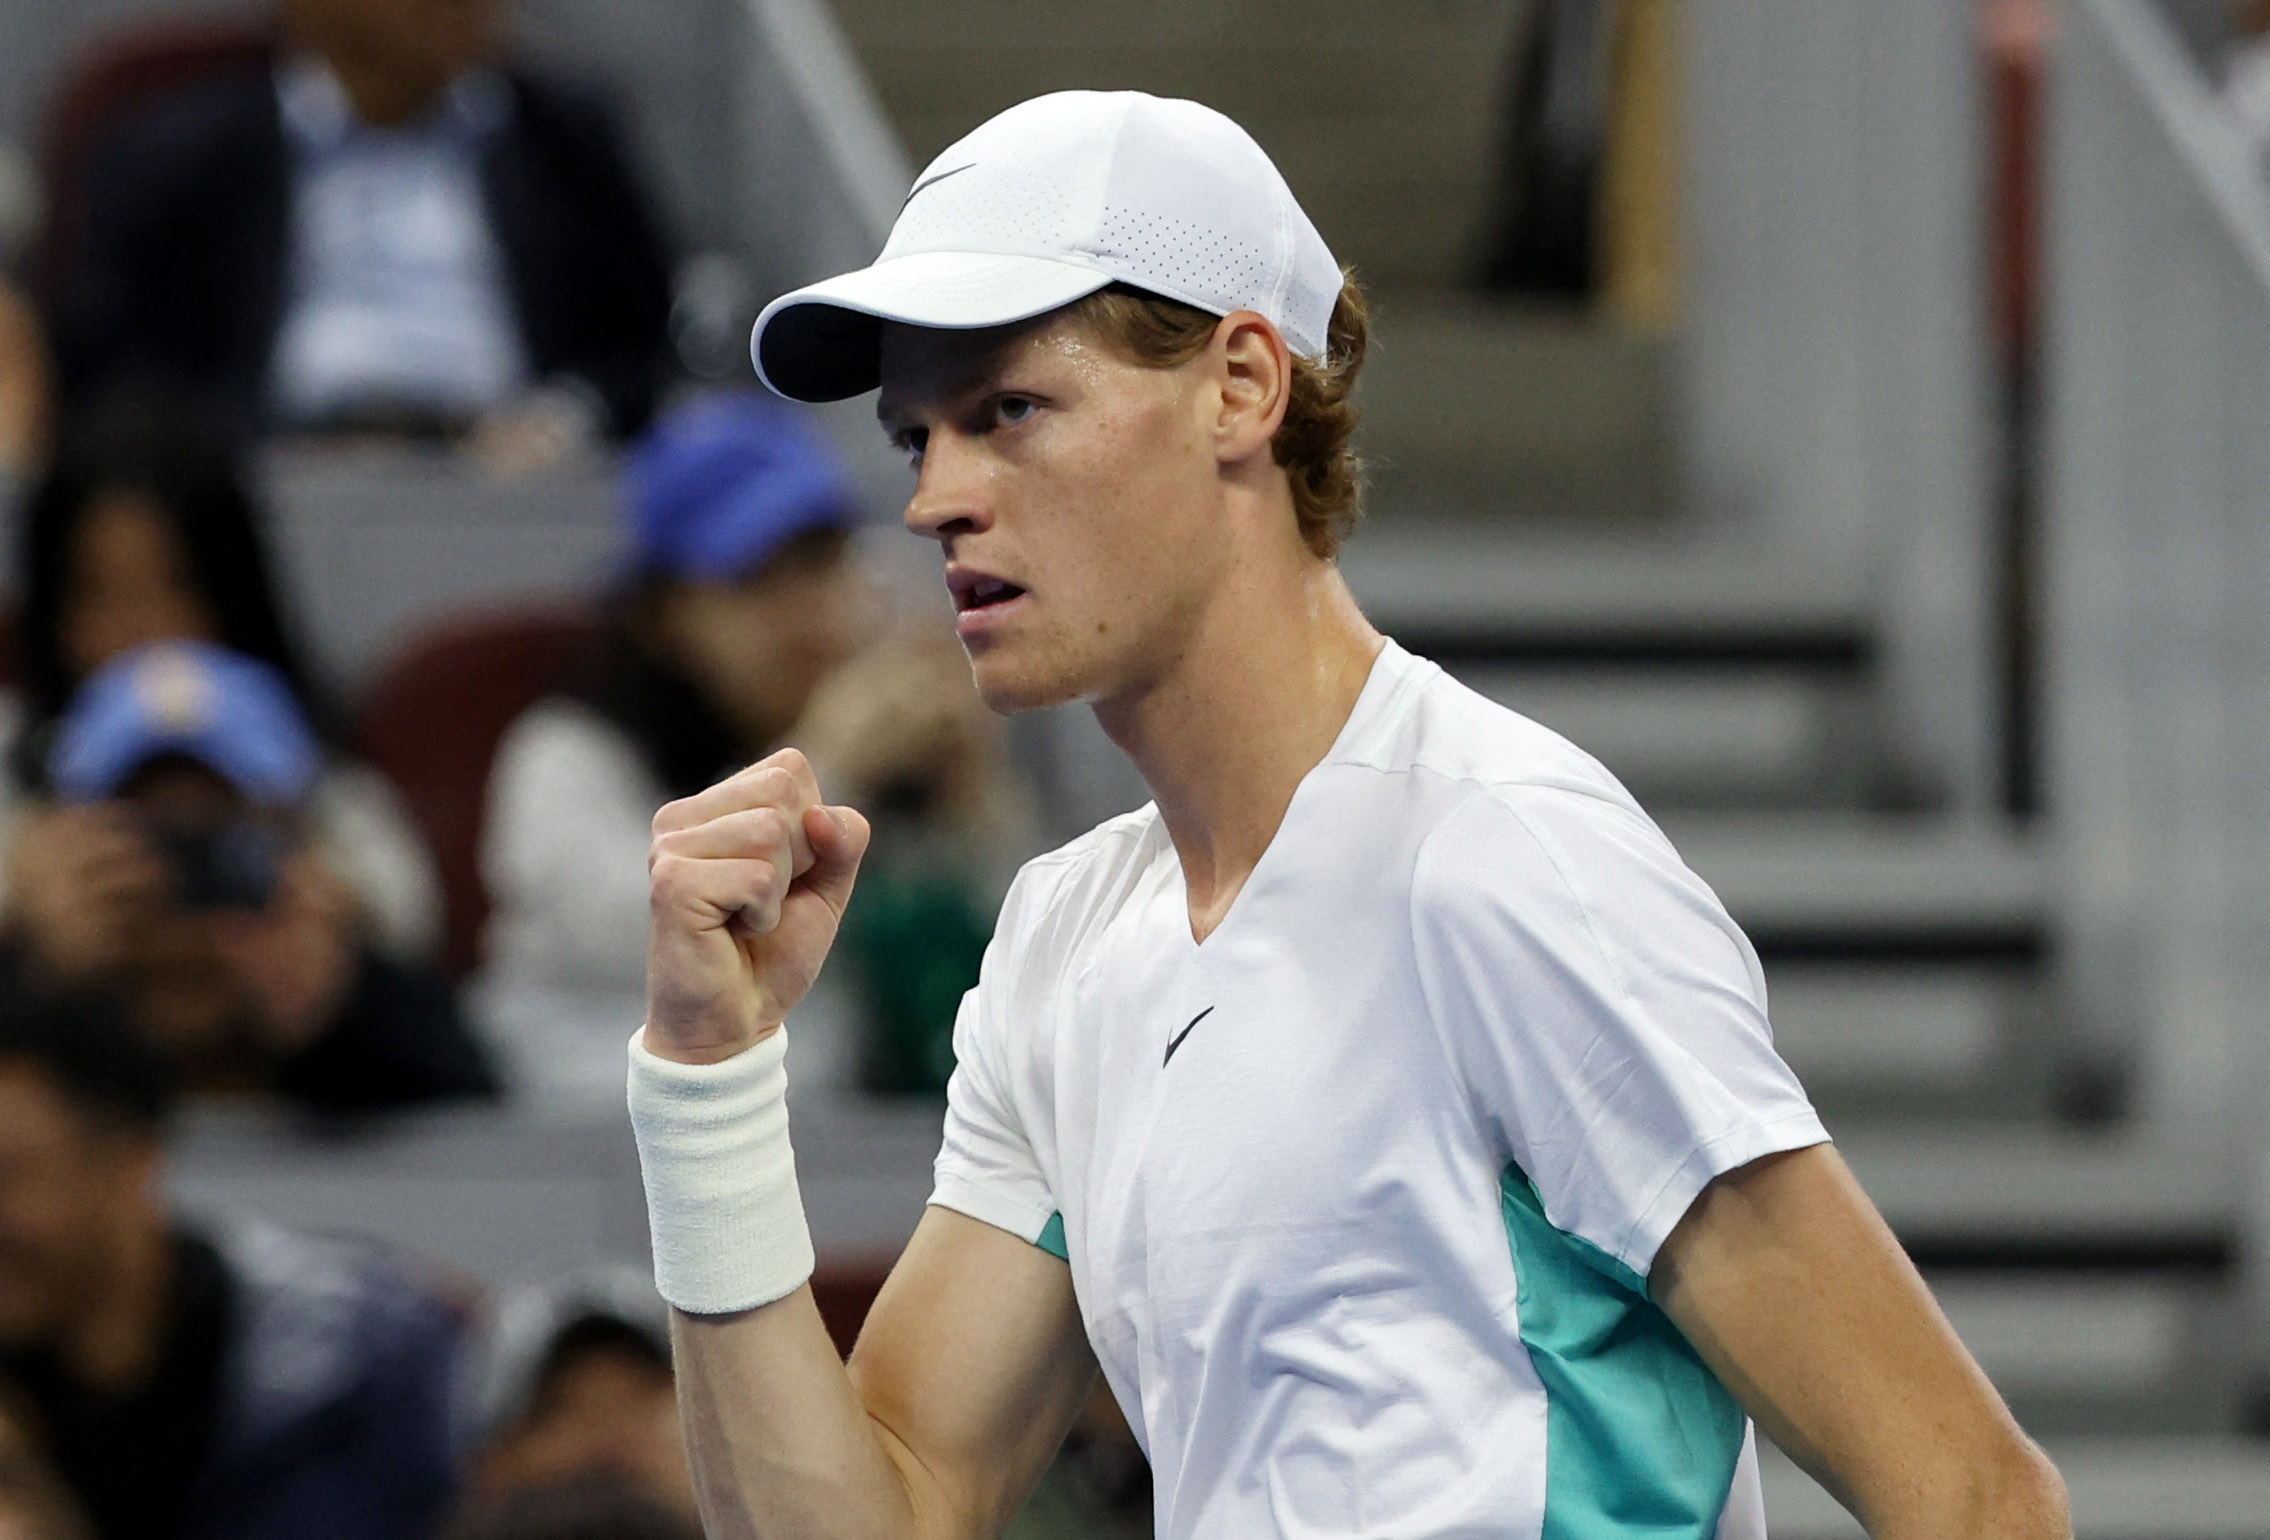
(839, 839)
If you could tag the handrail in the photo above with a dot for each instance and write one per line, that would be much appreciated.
(836, 98)
(2179, 100)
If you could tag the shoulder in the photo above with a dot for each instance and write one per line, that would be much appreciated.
(1530, 833)
(1093, 867)
(1450, 731)
(1059, 896)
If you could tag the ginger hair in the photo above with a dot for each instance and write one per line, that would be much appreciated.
(1315, 444)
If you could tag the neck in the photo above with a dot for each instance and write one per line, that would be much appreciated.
(115, 1342)
(1250, 705)
(383, 92)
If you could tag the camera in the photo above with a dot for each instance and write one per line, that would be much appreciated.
(234, 865)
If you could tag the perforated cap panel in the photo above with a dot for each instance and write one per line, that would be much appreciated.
(1075, 190)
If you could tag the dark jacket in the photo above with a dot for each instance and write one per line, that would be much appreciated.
(305, 1388)
(336, 1402)
(174, 274)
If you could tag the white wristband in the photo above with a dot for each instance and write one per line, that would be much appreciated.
(721, 1198)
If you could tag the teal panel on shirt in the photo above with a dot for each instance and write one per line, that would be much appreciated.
(1052, 1239)
(1640, 1437)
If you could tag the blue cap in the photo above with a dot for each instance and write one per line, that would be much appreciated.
(226, 711)
(718, 486)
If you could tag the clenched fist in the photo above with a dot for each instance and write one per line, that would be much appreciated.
(749, 880)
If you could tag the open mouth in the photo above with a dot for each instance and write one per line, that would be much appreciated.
(984, 593)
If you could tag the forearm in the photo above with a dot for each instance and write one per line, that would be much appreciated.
(972, 1360)
(778, 1438)
(2011, 1493)
(780, 1443)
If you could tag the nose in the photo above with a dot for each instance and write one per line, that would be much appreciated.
(950, 492)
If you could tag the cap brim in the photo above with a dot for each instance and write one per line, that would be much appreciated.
(824, 342)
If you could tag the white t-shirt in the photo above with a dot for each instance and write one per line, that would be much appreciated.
(1360, 1194)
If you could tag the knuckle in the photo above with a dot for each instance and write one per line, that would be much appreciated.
(668, 878)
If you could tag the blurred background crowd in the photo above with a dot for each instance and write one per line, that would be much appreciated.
(1844, 418)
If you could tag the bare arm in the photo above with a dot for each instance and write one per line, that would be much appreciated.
(1792, 1287)
(972, 1365)
(973, 1361)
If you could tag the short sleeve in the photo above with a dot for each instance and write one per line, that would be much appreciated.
(986, 1166)
(1605, 1013)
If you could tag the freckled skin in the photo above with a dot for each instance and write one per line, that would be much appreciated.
(1048, 460)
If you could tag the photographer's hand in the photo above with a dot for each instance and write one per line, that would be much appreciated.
(79, 878)
(297, 956)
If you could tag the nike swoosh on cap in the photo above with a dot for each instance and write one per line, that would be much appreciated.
(1176, 1041)
(932, 181)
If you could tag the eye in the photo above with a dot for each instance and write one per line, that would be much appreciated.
(910, 442)
(1012, 410)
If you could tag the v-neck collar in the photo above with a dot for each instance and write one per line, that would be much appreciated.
(1394, 672)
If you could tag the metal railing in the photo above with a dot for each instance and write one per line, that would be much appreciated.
(825, 171)
(2155, 566)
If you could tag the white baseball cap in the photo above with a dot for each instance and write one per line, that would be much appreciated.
(1048, 202)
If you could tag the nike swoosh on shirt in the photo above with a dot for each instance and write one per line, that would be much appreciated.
(932, 181)
(1176, 1041)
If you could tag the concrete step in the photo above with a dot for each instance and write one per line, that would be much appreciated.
(1685, 738)
(1385, 120)
(2036, 1195)
(1938, 1032)
(2102, 1351)
(1861, 886)
(1505, 590)
(1701, 671)
(2129, 1487)
(1477, 409)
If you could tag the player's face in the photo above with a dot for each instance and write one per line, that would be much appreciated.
(1075, 495)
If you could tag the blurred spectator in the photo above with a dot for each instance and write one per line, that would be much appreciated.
(2246, 74)
(579, 1395)
(572, 1510)
(739, 628)
(386, 226)
(176, 870)
(27, 385)
(252, 1385)
(26, 389)
(34, 1502)
(144, 532)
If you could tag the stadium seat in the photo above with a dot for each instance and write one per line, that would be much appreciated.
(431, 722)
(117, 72)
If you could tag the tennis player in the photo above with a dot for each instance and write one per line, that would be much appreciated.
(1385, 1109)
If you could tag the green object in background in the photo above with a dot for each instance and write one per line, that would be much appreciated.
(1062, 1508)
(914, 938)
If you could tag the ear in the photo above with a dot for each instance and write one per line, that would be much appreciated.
(1254, 368)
